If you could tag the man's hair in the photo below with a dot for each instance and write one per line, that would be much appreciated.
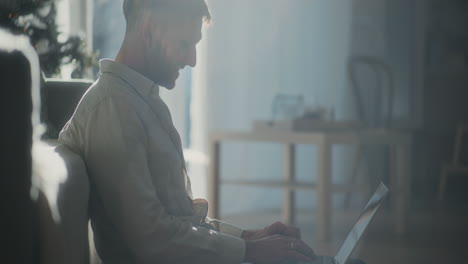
(193, 8)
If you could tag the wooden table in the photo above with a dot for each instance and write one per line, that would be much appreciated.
(400, 153)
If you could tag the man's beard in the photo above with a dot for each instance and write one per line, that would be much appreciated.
(158, 68)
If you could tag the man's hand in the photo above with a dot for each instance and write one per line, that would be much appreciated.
(277, 249)
(277, 228)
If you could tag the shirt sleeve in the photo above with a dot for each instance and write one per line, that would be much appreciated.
(200, 207)
(116, 157)
(225, 228)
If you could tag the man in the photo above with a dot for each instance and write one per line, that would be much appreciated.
(140, 205)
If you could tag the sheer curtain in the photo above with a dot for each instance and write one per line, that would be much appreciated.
(253, 51)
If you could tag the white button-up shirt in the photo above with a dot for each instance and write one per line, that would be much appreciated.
(140, 205)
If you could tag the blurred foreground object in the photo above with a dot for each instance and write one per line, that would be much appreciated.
(45, 188)
(18, 223)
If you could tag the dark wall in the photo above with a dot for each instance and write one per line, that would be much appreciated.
(445, 101)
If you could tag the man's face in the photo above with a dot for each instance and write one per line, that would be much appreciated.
(171, 48)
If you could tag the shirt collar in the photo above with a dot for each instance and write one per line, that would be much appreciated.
(142, 84)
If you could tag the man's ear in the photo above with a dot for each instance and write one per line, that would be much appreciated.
(145, 32)
(149, 30)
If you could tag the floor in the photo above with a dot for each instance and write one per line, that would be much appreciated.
(437, 233)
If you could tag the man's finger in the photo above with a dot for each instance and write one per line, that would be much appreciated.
(277, 228)
(280, 228)
(291, 231)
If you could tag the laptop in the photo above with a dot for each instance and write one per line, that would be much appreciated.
(358, 229)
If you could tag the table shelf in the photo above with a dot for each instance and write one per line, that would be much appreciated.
(295, 185)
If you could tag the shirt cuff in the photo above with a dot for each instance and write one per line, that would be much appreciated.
(230, 229)
(226, 228)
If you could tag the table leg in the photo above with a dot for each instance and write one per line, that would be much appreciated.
(214, 180)
(289, 173)
(402, 194)
(323, 190)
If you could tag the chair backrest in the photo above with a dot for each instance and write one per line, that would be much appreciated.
(382, 100)
(61, 99)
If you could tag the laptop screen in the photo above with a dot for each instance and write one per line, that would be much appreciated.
(361, 224)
